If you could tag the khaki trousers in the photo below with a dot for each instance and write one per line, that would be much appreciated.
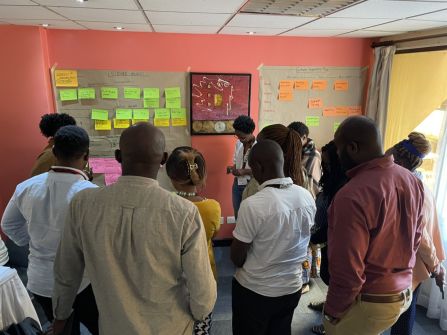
(367, 318)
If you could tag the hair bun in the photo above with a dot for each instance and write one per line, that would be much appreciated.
(420, 142)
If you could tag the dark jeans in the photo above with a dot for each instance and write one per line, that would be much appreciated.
(237, 191)
(84, 310)
(405, 323)
(255, 314)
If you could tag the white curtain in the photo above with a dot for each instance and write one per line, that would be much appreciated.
(377, 101)
(430, 295)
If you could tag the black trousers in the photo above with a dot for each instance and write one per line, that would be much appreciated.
(84, 310)
(255, 314)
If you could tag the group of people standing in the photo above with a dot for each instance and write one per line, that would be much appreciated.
(133, 258)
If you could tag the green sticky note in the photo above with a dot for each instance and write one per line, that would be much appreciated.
(151, 103)
(162, 113)
(173, 103)
(86, 93)
(172, 92)
(100, 114)
(132, 93)
(123, 114)
(178, 113)
(312, 121)
(151, 93)
(109, 92)
(336, 125)
(68, 94)
(141, 114)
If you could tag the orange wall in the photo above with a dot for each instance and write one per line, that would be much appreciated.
(169, 52)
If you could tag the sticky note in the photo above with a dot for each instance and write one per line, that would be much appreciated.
(336, 125)
(217, 100)
(120, 124)
(141, 114)
(341, 85)
(100, 114)
(341, 110)
(173, 103)
(135, 121)
(66, 78)
(354, 110)
(285, 85)
(285, 96)
(86, 93)
(151, 103)
(109, 92)
(151, 93)
(312, 121)
(178, 116)
(315, 103)
(162, 113)
(172, 92)
(68, 94)
(132, 93)
(161, 122)
(103, 125)
(123, 114)
(301, 85)
(319, 84)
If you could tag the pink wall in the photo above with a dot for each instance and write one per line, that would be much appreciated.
(170, 52)
(24, 97)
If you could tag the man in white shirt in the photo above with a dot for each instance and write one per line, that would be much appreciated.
(270, 243)
(36, 215)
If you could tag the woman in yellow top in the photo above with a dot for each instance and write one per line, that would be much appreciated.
(187, 170)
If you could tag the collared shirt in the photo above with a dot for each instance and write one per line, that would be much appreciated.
(35, 215)
(241, 161)
(375, 226)
(311, 161)
(3, 253)
(145, 252)
(277, 222)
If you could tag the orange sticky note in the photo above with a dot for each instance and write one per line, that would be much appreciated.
(285, 96)
(354, 110)
(341, 85)
(286, 85)
(330, 111)
(319, 84)
(301, 85)
(341, 111)
(315, 103)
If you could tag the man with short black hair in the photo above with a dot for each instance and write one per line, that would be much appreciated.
(311, 156)
(36, 215)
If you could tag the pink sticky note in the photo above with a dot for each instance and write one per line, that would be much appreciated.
(111, 178)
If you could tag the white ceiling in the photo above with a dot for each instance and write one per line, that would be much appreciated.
(358, 18)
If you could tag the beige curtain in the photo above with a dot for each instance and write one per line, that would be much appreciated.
(377, 101)
(418, 86)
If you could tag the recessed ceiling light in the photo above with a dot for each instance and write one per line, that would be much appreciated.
(119, 28)
(250, 32)
(81, 0)
(45, 25)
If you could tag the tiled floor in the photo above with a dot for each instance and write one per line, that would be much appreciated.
(304, 318)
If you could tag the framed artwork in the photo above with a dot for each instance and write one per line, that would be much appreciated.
(217, 99)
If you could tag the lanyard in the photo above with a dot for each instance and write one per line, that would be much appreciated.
(67, 170)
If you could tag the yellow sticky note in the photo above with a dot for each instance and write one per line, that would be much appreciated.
(109, 92)
(123, 114)
(172, 92)
(178, 122)
(178, 113)
(103, 125)
(135, 121)
(119, 124)
(161, 122)
(86, 93)
(151, 93)
(132, 93)
(151, 103)
(141, 114)
(100, 114)
(66, 78)
(173, 102)
(162, 113)
(68, 94)
(336, 125)
(312, 121)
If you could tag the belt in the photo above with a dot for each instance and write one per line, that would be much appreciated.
(385, 299)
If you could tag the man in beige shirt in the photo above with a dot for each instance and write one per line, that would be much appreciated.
(143, 248)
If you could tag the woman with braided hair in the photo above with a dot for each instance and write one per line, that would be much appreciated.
(409, 154)
(186, 168)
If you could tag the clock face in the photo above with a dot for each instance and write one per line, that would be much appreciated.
(219, 126)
